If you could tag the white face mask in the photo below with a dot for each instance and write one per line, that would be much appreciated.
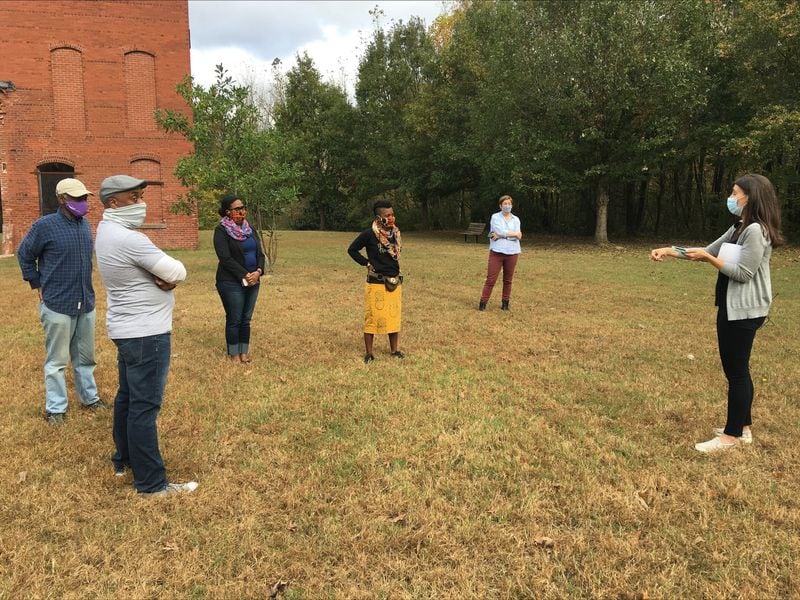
(506, 208)
(131, 216)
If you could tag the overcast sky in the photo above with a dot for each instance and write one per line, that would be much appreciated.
(247, 36)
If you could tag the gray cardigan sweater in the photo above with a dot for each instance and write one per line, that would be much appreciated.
(749, 287)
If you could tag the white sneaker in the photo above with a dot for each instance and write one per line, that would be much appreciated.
(713, 445)
(747, 436)
(174, 488)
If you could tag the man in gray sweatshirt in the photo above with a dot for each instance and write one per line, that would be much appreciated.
(139, 279)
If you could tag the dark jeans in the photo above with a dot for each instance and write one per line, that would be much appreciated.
(239, 303)
(143, 366)
(497, 260)
(735, 343)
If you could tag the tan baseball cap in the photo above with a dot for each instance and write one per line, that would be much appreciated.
(72, 187)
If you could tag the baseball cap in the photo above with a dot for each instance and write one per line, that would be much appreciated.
(119, 183)
(72, 187)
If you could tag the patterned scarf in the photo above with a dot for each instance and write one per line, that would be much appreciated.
(238, 233)
(390, 242)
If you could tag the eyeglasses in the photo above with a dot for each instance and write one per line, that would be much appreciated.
(238, 209)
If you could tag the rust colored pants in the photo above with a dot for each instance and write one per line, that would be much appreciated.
(508, 262)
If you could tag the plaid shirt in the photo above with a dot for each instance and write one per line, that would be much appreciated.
(56, 255)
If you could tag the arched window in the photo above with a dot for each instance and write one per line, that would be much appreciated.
(140, 90)
(149, 169)
(66, 71)
(49, 175)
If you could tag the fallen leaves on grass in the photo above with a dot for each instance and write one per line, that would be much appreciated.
(544, 542)
(278, 588)
(633, 596)
(314, 466)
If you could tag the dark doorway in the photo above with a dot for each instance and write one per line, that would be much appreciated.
(49, 176)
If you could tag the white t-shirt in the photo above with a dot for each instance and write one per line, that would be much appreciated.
(127, 261)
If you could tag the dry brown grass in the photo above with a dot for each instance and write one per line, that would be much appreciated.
(571, 418)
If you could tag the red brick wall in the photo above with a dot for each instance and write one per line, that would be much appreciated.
(140, 80)
(88, 76)
(69, 104)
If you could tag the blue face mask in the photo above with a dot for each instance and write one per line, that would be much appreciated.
(734, 208)
(506, 208)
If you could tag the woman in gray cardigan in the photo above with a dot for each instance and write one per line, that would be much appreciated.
(743, 295)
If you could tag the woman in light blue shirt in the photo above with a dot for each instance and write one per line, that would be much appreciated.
(505, 233)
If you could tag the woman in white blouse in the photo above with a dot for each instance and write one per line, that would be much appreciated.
(505, 233)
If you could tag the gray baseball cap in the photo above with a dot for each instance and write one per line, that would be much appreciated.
(119, 183)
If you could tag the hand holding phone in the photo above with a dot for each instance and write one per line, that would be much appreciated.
(680, 250)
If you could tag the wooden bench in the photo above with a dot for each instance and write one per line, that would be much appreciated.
(475, 229)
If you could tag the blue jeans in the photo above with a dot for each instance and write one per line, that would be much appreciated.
(143, 365)
(239, 303)
(68, 338)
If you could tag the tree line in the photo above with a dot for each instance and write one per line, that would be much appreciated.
(610, 118)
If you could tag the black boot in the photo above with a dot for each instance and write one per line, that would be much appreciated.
(504, 305)
(481, 305)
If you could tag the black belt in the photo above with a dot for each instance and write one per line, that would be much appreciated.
(378, 278)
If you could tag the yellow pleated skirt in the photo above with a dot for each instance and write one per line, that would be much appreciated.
(382, 309)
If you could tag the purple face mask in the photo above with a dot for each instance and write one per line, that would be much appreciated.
(77, 208)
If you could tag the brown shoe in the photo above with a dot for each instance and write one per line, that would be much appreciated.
(245, 358)
(97, 405)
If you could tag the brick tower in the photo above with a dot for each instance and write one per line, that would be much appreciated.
(79, 82)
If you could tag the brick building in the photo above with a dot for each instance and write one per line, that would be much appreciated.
(79, 82)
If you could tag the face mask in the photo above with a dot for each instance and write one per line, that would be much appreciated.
(131, 216)
(77, 208)
(734, 208)
(506, 208)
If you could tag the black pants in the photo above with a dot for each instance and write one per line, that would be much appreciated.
(735, 343)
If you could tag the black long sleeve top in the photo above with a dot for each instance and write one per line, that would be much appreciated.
(381, 261)
(231, 256)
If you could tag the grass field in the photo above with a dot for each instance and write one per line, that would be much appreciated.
(541, 453)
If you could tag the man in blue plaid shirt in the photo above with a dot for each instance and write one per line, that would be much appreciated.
(56, 259)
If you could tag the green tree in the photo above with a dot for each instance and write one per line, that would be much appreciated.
(762, 43)
(440, 114)
(393, 132)
(588, 94)
(315, 120)
(233, 152)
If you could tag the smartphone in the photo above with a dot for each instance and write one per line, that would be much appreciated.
(680, 250)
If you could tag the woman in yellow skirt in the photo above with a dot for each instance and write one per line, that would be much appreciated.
(383, 292)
